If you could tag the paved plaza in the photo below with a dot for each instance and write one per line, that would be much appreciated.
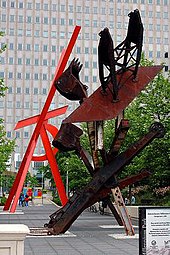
(91, 233)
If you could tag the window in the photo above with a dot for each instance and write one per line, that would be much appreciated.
(62, 21)
(86, 9)
(29, 19)
(35, 91)
(158, 40)
(150, 54)
(19, 61)
(158, 54)
(150, 40)
(36, 76)
(165, 15)
(70, 8)
(86, 50)
(44, 76)
(11, 46)
(45, 20)
(119, 25)
(19, 76)
(165, 28)
(150, 27)
(87, 36)
(53, 34)
(45, 48)
(28, 47)
(36, 47)
(1, 104)
(70, 22)
(78, 50)
(36, 62)
(86, 78)
(10, 75)
(119, 12)
(26, 134)
(44, 62)
(53, 21)
(103, 11)
(29, 6)
(9, 135)
(94, 23)
(95, 10)
(11, 60)
(45, 7)
(37, 6)
(18, 104)
(94, 50)
(21, 5)
(17, 134)
(4, 4)
(158, 27)
(18, 90)
(54, 7)
(27, 91)
(20, 19)
(94, 79)
(35, 105)
(12, 4)
(28, 61)
(158, 15)
(165, 2)
(150, 14)
(3, 17)
(86, 23)
(78, 9)
(62, 34)
(37, 19)
(27, 105)
(9, 90)
(149, 1)
(95, 64)
(27, 76)
(53, 48)
(1, 74)
(53, 62)
(44, 91)
(86, 64)
(111, 11)
(45, 33)
(62, 8)
(20, 32)
(37, 33)
(28, 32)
(11, 18)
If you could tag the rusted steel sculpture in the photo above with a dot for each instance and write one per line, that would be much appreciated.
(119, 87)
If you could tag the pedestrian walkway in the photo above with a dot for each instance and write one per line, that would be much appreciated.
(91, 233)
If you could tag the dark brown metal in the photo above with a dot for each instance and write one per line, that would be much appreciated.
(69, 84)
(62, 219)
(101, 107)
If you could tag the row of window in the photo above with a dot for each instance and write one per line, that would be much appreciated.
(17, 134)
(71, 8)
(27, 90)
(63, 21)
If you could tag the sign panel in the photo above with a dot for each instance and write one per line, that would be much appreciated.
(154, 230)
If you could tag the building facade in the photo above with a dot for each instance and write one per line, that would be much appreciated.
(37, 31)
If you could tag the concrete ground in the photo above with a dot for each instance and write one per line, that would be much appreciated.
(90, 234)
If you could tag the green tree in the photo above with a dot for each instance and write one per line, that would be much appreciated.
(6, 145)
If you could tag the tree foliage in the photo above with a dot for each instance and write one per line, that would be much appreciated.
(6, 145)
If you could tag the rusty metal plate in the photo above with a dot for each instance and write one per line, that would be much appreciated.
(101, 106)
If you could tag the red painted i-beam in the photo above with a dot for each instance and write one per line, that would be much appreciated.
(22, 172)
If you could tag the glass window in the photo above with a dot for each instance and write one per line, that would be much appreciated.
(1, 104)
(54, 7)
(165, 15)
(86, 23)
(45, 20)
(11, 60)
(19, 76)
(94, 64)
(27, 91)
(45, 33)
(158, 40)
(29, 6)
(53, 62)
(94, 23)
(35, 105)
(79, 9)
(103, 11)
(27, 105)
(28, 32)
(36, 47)
(94, 50)
(86, 50)
(20, 32)
(28, 61)
(36, 62)
(45, 48)
(62, 34)
(3, 17)
(28, 47)
(3, 4)
(150, 26)
(158, 27)
(35, 91)
(86, 78)
(20, 19)
(53, 48)
(11, 46)
(18, 90)
(2, 60)
(94, 79)
(44, 76)
(18, 104)
(86, 64)
(37, 33)
(37, 6)
(86, 9)
(87, 36)
(44, 91)
(37, 19)
(119, 12)
(26, 134)
(78, 50)
(158, 54)
(27, 76)
(158, 2)
(45, 7)
(1, 74)
(9, 135)
(29, 19)
(111, 11)
(21, 5)
(150, 14)
(12, 4)
(44, 62)
(70, 8)
(158, 15)
(62, 21)
(53, 21)
(150, 54)
(165, 2)
(62, 8)
(149, 1)
(19, 61)
(53, 34)
(36, 76)
(10, 75)
(11, 18)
